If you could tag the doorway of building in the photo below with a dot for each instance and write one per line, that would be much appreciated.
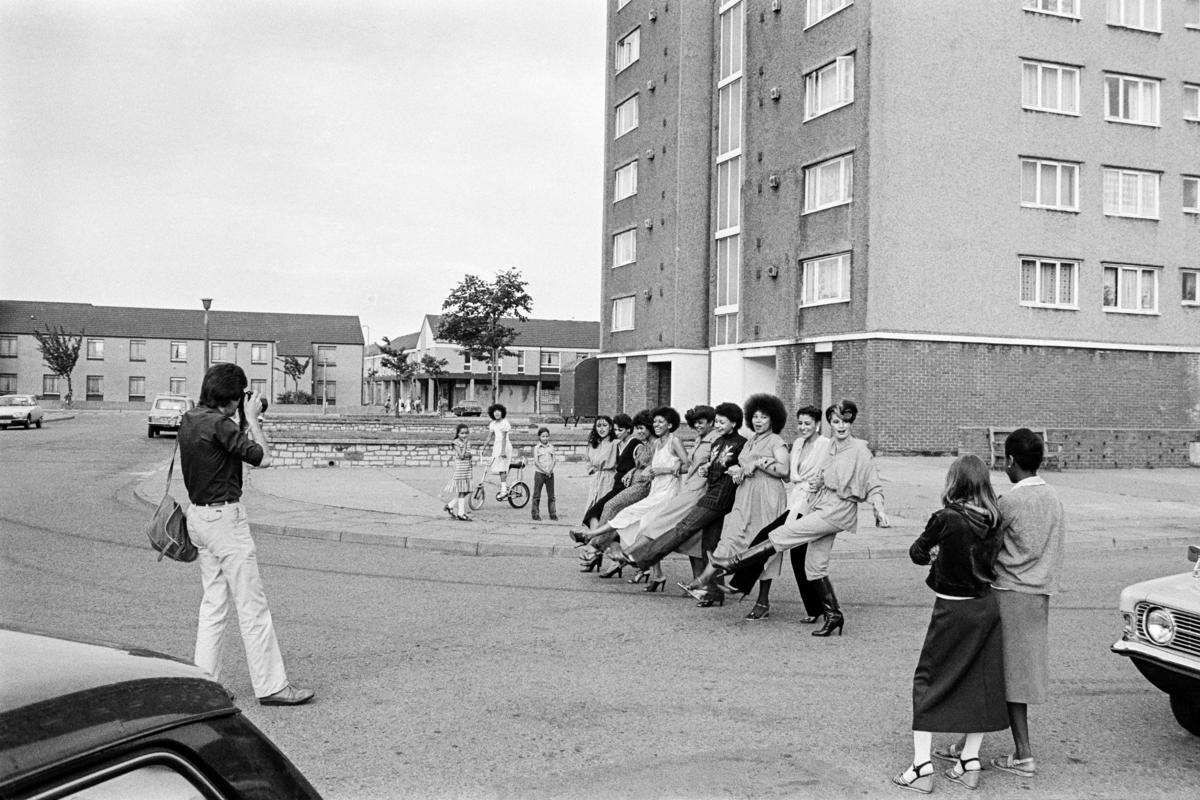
(661, 374)
(825, 365)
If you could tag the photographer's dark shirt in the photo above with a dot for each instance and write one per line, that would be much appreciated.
(211, 452)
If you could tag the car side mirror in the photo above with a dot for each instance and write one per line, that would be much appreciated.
(1193, 552)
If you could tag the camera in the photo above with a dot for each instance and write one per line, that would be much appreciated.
(246, 396)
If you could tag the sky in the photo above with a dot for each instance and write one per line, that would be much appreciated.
(309, 156)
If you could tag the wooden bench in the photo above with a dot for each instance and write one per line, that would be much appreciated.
(996, 437)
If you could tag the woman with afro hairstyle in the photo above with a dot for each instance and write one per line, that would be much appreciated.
(763, 466)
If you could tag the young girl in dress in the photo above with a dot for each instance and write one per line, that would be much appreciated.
(958, 686)
(460, 480)
(499, 430)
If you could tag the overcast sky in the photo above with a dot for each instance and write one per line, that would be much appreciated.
(342, 157)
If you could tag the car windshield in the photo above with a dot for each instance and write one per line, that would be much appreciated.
(15, 400)
(165, 404)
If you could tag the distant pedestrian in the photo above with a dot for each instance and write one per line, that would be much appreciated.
(387, 406)
(212, 448)
(545, 457)
(460, 479)
(958, 685)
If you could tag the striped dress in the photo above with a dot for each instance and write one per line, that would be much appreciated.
(461, 479)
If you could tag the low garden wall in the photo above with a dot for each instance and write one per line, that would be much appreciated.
(1107, 448)
(298, 449)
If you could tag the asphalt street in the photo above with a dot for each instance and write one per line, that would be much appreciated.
(442, 675)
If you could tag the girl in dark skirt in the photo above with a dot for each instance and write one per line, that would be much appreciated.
(958, 686)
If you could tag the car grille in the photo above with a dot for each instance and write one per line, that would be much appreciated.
(1187, 629)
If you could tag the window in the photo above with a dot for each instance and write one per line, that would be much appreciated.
(8, 347)
(137, 389)
(820, 9)
(625, 184)
(259, 385)
(327, 391)
(466, 361)
(1192, 14)
(580, 356)
(825, 280)
(8, 383)
(1191, 194)
(830, 87)
(95, 349)
(327, 355)
(258, 354)
(50, 385)
(625, 247)
(1130, 193)
(1142, 14)
(1189, 291)
(729, 118)
(1049, 87)
(1047, 283)
(551, 362)
(628, 48)
(1131, 289)
(178, 385)
(95, 387)
(1062, 8)
(729, 194)
(218, 351)
(1191, 102)
(137, 349)
(622, 314)
(179, 351)
(1049, 184)
(627, 117)
(520, 362)
(827, 184)
(728, 289)
(1132, 100)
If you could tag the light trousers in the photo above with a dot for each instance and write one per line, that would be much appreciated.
(817, 533)
(229, 574)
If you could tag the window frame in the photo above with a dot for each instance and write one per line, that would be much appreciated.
(88, 394)
(1121, 172)
(1060, 68)
(135, 397)
(8, 383)
(328, 349)
(1183, 276)
(809, 19)
(550, 362)
(1194, 180)
(49, 380)
(1122, 78)
(842, 71)
(1141, 270)
(141, 344)
(1038, 262)
(179, 347)
(265, 358)
(843, 260)
(1192, 7)
(812, 188)
(1191, 89)
(212, 352)
(520, 362)
(172, 386)
(630, 169)
(1036, 8)
(1039, 163)
(1119, 5)
(5, 350)
(631, 236)
(628, 302)
(620, 48)
(99, 350)
(628, 102)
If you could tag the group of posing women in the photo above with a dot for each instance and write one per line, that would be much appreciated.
(727, 504)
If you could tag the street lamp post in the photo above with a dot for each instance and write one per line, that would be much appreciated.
(207, 301)
(324, 386)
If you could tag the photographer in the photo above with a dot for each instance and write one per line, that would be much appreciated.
(212, 448)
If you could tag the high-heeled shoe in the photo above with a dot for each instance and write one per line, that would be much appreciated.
(579, 537)
(960, 774)
(760, 611)
(641, 576)
(654, 586)
(713, 597)
(922, 780)
(688, 588)
(592, 563)
(613, 571)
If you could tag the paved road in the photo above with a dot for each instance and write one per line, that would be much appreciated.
(449, 676)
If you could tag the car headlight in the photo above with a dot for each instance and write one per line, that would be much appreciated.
(1160, 626)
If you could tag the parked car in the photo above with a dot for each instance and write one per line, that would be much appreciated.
(166, 413)
(92, 720)
(20, 409)
(468, 408)
(1162, 637)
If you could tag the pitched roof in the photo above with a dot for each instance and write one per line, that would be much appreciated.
(567, 334)
(296, 333)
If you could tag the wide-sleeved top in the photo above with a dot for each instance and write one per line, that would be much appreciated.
(808, 458)
(1031, 553)
(966, 541)
(602, 460)
(849, 477)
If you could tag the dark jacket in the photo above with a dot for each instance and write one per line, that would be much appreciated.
(721, 489)
(967, 546)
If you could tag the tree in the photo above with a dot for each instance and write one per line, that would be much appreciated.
(401, 365)
(473, 318)
(294, 368)
(60, 351)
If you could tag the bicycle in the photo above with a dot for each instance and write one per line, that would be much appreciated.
(518, 490)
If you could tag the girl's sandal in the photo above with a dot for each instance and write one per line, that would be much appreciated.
(951, 752)
(921, 780)
(960, 773)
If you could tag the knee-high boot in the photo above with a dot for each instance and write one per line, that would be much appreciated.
(833, 614)
(754, 558)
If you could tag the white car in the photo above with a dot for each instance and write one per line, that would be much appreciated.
(20, 409)
(166, 413)
(1162, 637)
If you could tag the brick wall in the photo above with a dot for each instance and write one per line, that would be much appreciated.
(1104, 448)
(301, 451)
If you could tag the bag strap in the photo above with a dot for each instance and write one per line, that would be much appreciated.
(171, 469)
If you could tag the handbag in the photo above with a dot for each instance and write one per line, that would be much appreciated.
(168, 528)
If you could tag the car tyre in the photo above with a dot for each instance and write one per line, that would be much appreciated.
(1186, 709)
(26, 424)
(38, 424)
(150, 432)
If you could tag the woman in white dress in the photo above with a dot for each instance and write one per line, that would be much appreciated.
(499, 430)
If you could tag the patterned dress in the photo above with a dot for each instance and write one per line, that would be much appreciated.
(460, 481)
